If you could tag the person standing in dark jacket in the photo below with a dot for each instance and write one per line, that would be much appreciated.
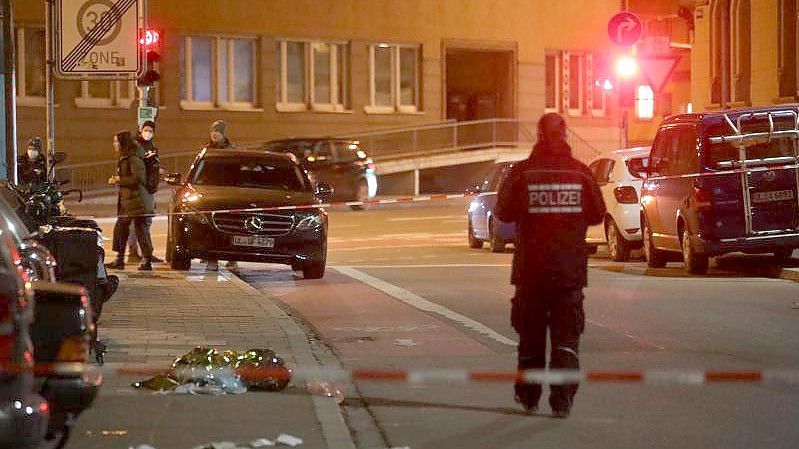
(134, 204)
(219, 141)
(145, 140)
(552, 198)
(32, 165)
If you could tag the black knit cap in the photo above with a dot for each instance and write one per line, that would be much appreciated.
(149, 123)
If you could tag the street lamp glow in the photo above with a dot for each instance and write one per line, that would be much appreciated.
(626, 67)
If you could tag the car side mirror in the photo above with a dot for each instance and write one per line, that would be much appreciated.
(324, 191)
(173, 179)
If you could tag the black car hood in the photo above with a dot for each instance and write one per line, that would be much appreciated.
(218, 197)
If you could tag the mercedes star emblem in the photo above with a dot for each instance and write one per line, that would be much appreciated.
(255, 223)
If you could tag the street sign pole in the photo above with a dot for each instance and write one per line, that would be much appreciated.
(49, 87)
(625, 30)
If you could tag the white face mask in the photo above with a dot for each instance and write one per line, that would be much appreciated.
(147, 135)
(33, 154)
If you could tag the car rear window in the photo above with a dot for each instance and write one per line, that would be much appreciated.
(637, 165)
(301, 148)
(721, 153)
(256, 173)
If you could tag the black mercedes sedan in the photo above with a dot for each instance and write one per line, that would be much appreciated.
(228, 208)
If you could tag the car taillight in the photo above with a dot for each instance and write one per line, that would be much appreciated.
(702, 196)
(626, 195)
(73, 349)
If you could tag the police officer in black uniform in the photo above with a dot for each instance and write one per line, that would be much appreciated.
(552, 198)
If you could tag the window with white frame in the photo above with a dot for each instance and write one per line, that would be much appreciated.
(106, 94)
(644, 102)
(219, 72)
(30, 66)
(313, 75)
(394, 78)
(553, 89)
(576, 68)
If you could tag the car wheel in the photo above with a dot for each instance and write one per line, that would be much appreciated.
(361, 194)
(474, 242)
(180, 260)
(618, 248)
(314, 270)
(695, 263)
(655, 258)
(496, 243)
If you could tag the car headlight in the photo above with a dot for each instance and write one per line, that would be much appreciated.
(310, 222)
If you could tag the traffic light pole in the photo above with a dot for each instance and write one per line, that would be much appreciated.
(50, 87)
(623, 126)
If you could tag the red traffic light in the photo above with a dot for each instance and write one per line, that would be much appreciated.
(626, 67)
(150, 38)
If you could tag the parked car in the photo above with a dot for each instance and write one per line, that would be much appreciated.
(342, 163)
(722, 182)
(483, 226)
(60, 331)
(24, 413)
(212, 221)
(619, 176)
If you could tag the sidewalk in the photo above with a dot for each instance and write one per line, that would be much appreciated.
(155, 317)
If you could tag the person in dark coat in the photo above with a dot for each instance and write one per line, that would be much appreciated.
(552, 198)
(134, 203)
(218, 138)
(144, 138)
(32, 165)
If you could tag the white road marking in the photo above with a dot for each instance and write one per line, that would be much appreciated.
(412, 245)
(443, 265)
(438, 217)
(424, 305)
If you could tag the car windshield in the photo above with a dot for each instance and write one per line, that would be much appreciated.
(251, 172)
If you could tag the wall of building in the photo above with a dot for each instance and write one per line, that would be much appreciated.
(530, 27)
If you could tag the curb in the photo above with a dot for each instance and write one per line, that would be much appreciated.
(789, 275)
(334, 429)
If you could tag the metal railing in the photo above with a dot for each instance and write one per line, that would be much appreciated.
(387, 144)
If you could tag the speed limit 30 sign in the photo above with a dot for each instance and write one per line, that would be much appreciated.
(98, 38)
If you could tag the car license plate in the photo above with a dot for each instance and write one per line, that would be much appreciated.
(251, 240)
(767, 197)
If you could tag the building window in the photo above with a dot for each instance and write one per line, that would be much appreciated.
(219, 72)
(644, 102)
(719, 51)
(313, 75)
(30, 66)
(106, 94)
(552, 72)
(576, 82)
(787, 48)
(597, 100)
(394, 78)
(741, 51)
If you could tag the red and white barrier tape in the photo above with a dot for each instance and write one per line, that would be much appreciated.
(789, 377)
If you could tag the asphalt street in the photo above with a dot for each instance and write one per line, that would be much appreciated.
(388, 264)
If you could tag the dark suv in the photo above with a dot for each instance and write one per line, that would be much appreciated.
(722, 182)
(341, 163)
(217, 212)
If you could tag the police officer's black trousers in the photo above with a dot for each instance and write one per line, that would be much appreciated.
(122, 230)
(534, 310)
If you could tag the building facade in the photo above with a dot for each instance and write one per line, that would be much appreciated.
(283, 68)
(745, 53)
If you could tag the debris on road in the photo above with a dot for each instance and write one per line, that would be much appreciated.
(141, 446)
(326, 389)
(289, 440)
(405, 342)
(209, 371)
(796, 305)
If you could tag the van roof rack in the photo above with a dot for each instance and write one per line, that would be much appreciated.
(740, 138)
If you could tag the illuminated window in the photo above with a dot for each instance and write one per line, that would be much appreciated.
(30, 66)
(645, 103)
(219, 72)
(596, 86)
(394, 78)
(313, 75)
(552, 80)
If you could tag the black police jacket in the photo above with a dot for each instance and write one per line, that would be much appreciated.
(552, 198)
(32, 171)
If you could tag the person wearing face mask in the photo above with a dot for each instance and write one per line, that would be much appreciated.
(134, 203)
(32, 166)
(145, 140)
(218, 140)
